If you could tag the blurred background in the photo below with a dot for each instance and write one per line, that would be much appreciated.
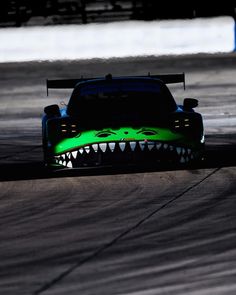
(48, 12)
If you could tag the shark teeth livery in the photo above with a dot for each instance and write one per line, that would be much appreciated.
(124, 151)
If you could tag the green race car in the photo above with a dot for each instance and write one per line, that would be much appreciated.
(120, 121)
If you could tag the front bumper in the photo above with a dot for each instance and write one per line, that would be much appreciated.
(128, 152)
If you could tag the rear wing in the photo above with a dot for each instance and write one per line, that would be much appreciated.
(171, 78)
(71, 83)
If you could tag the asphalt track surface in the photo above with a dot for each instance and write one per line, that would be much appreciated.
(117, 231)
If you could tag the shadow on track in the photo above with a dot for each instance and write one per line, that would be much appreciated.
(219, 153)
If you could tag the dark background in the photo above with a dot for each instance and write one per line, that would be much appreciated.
(48, 12)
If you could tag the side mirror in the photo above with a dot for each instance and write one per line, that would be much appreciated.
(190, 103)
(52, 110)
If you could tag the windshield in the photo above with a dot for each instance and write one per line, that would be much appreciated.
(96, 105)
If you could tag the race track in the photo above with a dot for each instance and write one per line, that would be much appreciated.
(141, 232)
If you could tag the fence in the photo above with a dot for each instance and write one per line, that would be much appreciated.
(49, 12)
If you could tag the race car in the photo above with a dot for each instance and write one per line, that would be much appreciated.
(121, 120)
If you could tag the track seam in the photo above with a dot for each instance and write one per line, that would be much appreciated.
(60, 277)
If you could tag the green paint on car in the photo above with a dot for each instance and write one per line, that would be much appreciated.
(117, 135)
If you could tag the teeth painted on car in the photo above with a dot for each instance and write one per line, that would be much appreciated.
(171, 148)
(112, 146)
(81, 150)
(142, 145)
(87, 149)
(122, 146)
(158, 146)
(103, 146)
(165, 146)
(74, 154)
(132, 145)
(69, 164)
(185, 155)
(151, 145)
(95, 147)
(179, 150)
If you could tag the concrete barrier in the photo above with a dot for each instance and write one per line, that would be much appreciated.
(118, 39)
